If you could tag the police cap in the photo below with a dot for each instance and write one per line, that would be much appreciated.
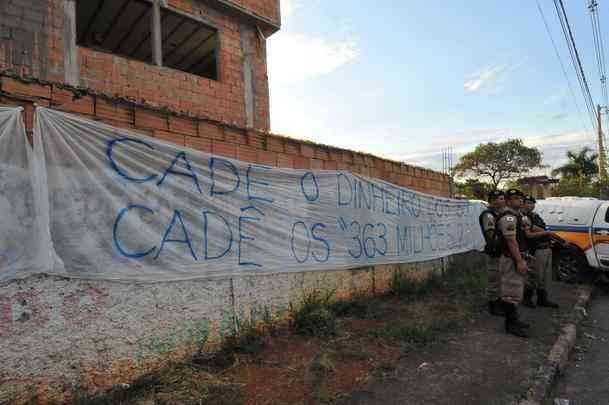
(493, 195)
(514, 193)
(529, 199)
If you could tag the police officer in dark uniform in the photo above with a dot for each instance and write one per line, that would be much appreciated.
(488, 223)
(540, 241)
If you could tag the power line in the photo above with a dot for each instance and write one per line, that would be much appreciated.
(599, 48)
(576, 60)
(562, 65)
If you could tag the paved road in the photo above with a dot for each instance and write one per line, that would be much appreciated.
(586, 381)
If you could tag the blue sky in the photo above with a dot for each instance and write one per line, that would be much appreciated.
(405, 79)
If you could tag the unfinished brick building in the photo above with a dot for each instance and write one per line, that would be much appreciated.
(192, 72)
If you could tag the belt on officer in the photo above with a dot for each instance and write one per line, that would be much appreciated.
(526, 255)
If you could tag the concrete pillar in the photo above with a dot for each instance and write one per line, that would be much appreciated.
(248, 74)
(70, 58)
(157, 44)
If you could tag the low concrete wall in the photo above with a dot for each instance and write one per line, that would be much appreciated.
(56, 333)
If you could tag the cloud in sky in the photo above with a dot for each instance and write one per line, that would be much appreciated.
(298, 55)
(489, 79)
(462, 141)
(288, 8)
(572, 139)
(560, 99)
(558, 117)
(295, 56)
(553, 147)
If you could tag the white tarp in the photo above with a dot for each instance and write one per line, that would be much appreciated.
(123, 206)
(24, 232)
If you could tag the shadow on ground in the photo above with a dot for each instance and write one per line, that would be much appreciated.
(482, 365)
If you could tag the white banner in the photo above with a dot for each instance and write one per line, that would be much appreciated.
(123, 206)
(24, 230)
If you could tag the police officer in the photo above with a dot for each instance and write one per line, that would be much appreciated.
(488, 221)
(512, 265)
(540, 243)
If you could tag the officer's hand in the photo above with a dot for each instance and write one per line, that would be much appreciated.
(521, 266)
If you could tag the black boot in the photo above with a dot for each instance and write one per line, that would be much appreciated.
(519, 321)
(542, 300)
(511, 322)
(527, 299)
(495, 307)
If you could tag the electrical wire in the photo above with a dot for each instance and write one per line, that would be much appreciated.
(562, 65)
(599, 48)
(576, 60)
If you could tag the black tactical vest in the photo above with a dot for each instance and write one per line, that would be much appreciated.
(491, 211)
(521, 237)
(492, 245)
(538, 221)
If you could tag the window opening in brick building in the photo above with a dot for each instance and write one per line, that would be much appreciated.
(189, 45)
(120, 27)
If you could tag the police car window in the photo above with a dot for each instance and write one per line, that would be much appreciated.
(607, 215)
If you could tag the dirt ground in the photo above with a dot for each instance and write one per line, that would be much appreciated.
(436, 345)
(480, 365)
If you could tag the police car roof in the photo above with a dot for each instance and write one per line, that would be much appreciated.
(568, 210)
(571, 199)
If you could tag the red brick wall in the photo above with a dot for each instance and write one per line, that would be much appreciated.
(268, 9)
(42, 39)
(24, 40)
(218, 138)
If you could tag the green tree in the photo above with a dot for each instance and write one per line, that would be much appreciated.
(581, 167)
(499, 162)
(473, 189)
(571, 187)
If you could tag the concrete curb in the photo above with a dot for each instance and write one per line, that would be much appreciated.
(558, 357)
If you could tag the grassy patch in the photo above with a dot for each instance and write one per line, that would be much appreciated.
(361, 305)
(313, 316)
(407, 287)
(416, 314)
(417, 334)
(466, 283)
(249, 338)
(321, 367)
(468, 288)
(423, 322)
(462, 283)
(384, 369)
(351, 355)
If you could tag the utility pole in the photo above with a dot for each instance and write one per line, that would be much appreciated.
(451, 178)
(447, 169)
(602, 159)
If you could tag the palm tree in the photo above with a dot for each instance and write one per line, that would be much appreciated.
(580, 166)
